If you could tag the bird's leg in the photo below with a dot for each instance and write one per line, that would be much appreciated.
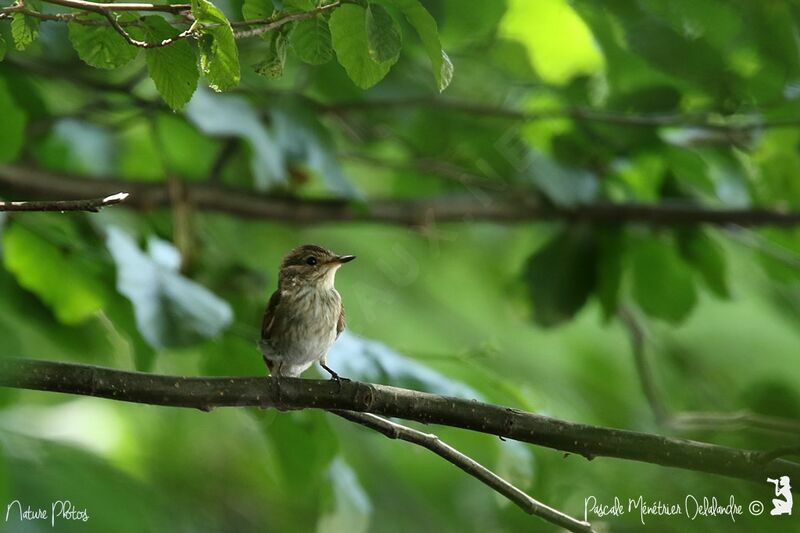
(334, 376)
(275, 373)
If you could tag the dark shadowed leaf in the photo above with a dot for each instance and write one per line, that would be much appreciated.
(561, 275)
(383, 34)
(349, 37)
(705, 254)
(304, 445)
(13, 128)
(610, 269)
(425, 25)
(311, 41)
(662, 282)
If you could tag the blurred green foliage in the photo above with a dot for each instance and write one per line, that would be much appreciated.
(522, 315)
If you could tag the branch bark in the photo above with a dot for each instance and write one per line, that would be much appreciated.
(93, 204)
(708, 121)
(207, 393)
(500, 208)
(433, 443)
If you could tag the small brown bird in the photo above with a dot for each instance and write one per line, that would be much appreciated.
(305, 315)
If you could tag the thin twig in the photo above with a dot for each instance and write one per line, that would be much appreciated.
(97, 7)
(112, 20)
(509, 208)
(643, 370)
(701, 420)
(265, 25)
(693, 420)
(780, 452)
(92, 205)
(433, 443)
(207, 393)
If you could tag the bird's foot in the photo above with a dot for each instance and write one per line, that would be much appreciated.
(334, 376)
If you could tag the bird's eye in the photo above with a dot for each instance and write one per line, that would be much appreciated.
(311, 261)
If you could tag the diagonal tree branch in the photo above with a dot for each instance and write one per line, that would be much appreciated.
(92, 205)
(500, 208)
(433, 443)
(208, 393)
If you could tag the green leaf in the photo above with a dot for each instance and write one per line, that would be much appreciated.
(53, 275)
(311, 41)
(173, 68)
(304, 444)
(558, 42)
(185, 150)
(561, 275)
(707, 257)
(12, 133)
(426, 28)
(610, 268)
(3, 48)
(272, 66)
(219, 56)
(170, 310)
(100, 46)
(299, 5)
(662, 282)
(349, 37)
(257, 10)
(383, 34)
(24, 30)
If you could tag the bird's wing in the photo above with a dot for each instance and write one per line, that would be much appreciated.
(269, 315)
(341, 323)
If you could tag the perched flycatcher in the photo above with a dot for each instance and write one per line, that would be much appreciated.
(305, 315)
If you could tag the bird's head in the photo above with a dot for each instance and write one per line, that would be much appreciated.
(310, 264)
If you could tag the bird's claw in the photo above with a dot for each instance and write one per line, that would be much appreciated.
(335, 377)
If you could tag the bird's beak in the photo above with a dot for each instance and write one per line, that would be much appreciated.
(344, 259)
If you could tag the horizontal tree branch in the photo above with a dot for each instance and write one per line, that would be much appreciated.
(433, 443)
(704, 120)
(207, 393)
(92, 204)
(501, 208)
